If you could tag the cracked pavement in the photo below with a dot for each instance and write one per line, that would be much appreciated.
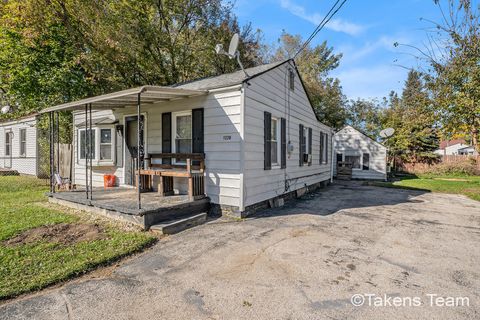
(302, 261)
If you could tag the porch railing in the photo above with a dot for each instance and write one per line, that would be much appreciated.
(193, 169)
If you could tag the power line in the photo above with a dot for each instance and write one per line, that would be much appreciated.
(320, 26)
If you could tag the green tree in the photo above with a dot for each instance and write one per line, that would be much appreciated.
(453, 56)
(314, 65)
(413, 118)
(56, 51)
(364, 115)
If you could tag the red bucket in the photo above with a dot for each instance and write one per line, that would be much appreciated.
(109, 180)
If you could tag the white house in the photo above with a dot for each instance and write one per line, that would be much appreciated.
(18, 145)
(367, 156)
(258, 132)
(451, 147)
(470, 150)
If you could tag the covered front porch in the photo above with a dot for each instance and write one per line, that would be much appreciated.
(121, 203)
(147, 179)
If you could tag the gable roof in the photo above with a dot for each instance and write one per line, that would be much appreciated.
(361, 132)
(24, 118)
(227, 79)
(448, 143)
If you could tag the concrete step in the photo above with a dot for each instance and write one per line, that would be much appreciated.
(178, 225)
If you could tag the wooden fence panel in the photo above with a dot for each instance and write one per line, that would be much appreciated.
(65, 157)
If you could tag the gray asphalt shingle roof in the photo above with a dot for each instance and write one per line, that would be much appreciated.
(228, 79)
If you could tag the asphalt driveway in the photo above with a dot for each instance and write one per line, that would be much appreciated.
(303, 261)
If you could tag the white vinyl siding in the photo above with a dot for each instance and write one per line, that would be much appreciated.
(222, 141)
(354, 145)
(25, 163)
(270, 92)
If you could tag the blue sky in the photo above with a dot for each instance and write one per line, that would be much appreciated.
(364, 31)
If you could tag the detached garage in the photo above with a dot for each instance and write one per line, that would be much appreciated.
(366, 156)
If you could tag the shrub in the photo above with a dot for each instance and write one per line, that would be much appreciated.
(463, 167)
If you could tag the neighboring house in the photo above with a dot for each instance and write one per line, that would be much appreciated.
(18, 145)
(467, 151)
(451, 147)
(367, 156)
(259, 133)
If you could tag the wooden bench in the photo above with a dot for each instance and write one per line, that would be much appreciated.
(193, 170)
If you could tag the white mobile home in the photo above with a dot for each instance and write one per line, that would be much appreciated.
(367, 157)
(18, 145)
(257, 134)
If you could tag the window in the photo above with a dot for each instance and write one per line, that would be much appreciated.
(339, 157)
(182, 132)
(323, 148)
(305, 143)
(8, 143)
(105, 144)
(274, 142)
(291, 79)
(354, 160)
(366, 162)
(102, 150)
(23, 142)
(83, 144)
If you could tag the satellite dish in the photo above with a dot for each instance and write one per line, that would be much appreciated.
(388, 132)
(232, 48)
(6, 109)
(232, 51)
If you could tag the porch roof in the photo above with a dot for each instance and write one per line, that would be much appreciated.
(129, 97)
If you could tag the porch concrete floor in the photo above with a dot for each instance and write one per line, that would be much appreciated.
(123, 200)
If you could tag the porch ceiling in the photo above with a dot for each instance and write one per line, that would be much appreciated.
(127, 98)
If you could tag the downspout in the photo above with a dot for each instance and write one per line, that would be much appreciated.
(242, 195)
(332, 154)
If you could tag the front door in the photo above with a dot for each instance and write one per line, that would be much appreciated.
(131, 128)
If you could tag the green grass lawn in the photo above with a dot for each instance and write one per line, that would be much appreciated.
(466, 185)
(30, 266)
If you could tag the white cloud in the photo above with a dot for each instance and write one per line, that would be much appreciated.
(338, 25)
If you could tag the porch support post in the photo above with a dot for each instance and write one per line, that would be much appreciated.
(139, 197)
(50, 138)
(86, 149)
(58, 142)
(92, 147)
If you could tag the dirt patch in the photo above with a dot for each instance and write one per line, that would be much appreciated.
(64, 233)
(451, 179)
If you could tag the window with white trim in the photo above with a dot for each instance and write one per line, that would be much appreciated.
(275, 145)
(306, 143)
(106, 150)
(8, 143)
(182, 133)
(23, 142)
(102, 149)
(82, 142)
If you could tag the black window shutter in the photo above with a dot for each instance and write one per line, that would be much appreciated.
(321, 147)
(167, 135)
(197, 130)
(267, 137)
(119, 145)
(301, 146)
(310, 146)
(326, 147)
(283, 134)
